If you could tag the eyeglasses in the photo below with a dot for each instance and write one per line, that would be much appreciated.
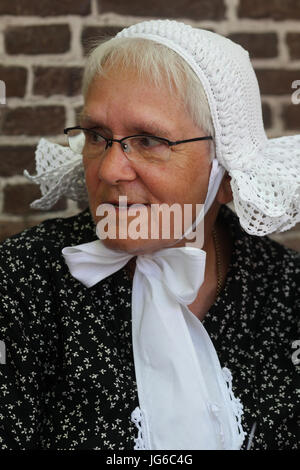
(137, 147)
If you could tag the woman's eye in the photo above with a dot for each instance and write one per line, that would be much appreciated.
(149, 142)
(94, 138)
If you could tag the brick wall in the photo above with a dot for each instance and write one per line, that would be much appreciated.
(42, 50)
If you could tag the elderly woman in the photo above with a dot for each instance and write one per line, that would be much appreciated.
(126, 342)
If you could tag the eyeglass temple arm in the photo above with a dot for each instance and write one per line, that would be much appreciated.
(71, 128)
(190, 140)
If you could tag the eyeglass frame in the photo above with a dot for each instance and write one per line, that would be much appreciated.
(109, 142)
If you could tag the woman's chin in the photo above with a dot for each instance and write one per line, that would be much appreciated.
(135, 247)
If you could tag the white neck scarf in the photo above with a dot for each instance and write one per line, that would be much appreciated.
(185, 397)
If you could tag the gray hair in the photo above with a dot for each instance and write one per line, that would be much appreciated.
(155, 62)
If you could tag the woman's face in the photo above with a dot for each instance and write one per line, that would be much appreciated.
(121, 105)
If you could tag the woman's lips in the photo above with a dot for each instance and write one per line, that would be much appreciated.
(129, 205)
(135, 205)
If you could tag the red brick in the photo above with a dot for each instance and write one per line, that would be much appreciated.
(293, 243)
(276, 81)
(57, 81)
(17, 199)
(15, 159)
(204, 10)
(296, 228)
(82, 205)
(259, 45)
(267, 115)
(9, 228)
(293, 42)
(45, 7)
(15, 79)
(272, 9)
(46, 39)
(39, 120)
(92, 35)
(291, 117)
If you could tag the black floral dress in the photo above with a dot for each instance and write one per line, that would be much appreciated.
(68, 379)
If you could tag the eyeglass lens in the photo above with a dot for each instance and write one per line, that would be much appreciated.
(136, 148)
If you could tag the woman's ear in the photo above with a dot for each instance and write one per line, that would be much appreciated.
(224, 194)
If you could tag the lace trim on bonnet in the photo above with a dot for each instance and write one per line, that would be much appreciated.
(59, 173)
(265, 173)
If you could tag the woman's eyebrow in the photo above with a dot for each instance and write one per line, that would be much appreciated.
(150, 128)
(140, 127)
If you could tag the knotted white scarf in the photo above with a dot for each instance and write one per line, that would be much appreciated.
(185, 397)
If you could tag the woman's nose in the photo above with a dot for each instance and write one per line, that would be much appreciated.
(114, 166)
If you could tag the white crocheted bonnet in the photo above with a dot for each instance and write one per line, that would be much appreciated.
(265, 173)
